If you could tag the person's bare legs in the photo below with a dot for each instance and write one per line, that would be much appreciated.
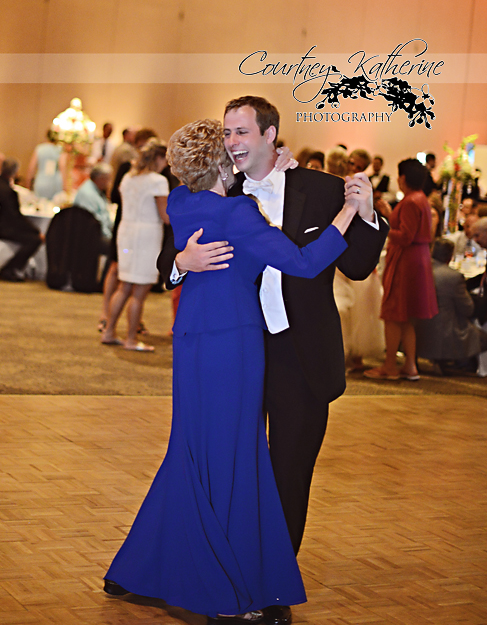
(393, 332)
(135, 307)
(397, 333)
(389, 370)
(117, 302)
(408, 340)
(109, 287)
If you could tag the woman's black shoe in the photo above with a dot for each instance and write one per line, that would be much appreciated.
(112, 588)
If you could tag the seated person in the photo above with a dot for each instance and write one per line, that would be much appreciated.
(463, 240)
(478, 285)
(468, 207)
(14, 226)
(92, 196)
(450, 335)
(482, 209)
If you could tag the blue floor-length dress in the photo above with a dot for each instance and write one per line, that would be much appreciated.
(211, 535)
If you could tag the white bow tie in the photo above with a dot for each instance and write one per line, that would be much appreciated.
(251, 186)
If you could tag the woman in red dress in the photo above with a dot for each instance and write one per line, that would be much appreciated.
(409, 289)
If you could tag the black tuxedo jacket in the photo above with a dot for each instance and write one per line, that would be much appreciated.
(311, 201)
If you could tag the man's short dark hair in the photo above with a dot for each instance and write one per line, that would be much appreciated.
(266, 114)
(10, 167)
(443, 250)
(414, 173)
(379, 158)
(430, 157)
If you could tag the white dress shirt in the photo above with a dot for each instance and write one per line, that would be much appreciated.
(271, 204)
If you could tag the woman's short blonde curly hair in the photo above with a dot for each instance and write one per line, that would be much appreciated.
(195, 151)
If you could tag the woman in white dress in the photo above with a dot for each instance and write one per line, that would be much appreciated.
(144, 194)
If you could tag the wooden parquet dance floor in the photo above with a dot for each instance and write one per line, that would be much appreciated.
(397, 530)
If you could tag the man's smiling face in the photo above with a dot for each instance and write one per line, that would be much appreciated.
(252, 152)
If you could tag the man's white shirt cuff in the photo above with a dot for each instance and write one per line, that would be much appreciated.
(176, 277)
(374, 224)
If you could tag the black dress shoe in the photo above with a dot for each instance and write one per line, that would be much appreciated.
(278, 615)
(112, 588)
(12, 275)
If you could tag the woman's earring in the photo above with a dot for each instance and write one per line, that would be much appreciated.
(224, 175)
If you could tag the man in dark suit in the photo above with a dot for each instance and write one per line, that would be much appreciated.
(450, 335)
(304, 352)
(478, 285)
(14, 226)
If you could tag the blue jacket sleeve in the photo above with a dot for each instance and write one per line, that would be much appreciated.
(248, 231)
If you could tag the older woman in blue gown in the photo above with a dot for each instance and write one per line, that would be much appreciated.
(211, 535)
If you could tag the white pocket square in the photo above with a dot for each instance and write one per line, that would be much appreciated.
(311, 229)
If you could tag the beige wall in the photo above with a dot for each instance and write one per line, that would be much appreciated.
(198, 26)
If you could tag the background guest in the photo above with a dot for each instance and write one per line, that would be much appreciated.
(303, 156)
(429, 184)
(92, 195)
(44, 173)
(144, 196)
(469, 206)
(363, 330)
(316, 161)
(14, 226)
(462, 239)
(409, 290)
(437, 214)
(337, 162)
(379, 181)
(103, 147)
(358, 161)
(478, 285)
(125, 152)
(110, 282)
(450, 335)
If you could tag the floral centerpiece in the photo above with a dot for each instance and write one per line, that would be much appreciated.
(74, 128)
(456, 171)
(75, 131)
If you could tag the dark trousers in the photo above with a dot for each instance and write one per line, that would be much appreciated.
(297, 425)
(29, 244)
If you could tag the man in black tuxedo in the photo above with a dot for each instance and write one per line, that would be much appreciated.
(304, 351)
(380, 182)
(14, 226)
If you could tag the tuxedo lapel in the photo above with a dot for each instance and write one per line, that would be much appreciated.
(294, 201)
